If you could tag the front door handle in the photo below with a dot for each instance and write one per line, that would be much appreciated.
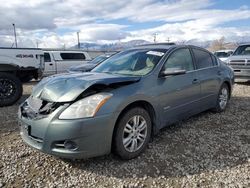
(195, 81)
(51, 64)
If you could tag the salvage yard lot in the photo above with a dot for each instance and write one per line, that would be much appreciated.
(209, 149)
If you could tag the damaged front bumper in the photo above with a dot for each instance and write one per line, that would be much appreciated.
(79, 138)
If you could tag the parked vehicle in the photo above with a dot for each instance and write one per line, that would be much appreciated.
(124, 101)
(223, 54)
(86, 67)
(240, 62)
(60, 61)
(18, 65)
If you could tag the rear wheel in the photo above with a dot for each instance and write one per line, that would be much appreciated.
(132, 133)
(222, 99)
(10, 89)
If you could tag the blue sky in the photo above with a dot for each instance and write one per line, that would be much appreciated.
(54, 23)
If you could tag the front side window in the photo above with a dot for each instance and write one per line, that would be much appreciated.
(136, 62)
(72, 56)
(242, 50)
(203, 59)
(47, 57)
(179, 60)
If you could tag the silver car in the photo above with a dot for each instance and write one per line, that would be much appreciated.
(240, 62)
(124, 101)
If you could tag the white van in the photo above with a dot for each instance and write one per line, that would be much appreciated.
(60, 61)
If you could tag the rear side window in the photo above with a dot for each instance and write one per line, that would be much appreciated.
(47, 57)
(203, 59)
(214, 60)
(72, 56)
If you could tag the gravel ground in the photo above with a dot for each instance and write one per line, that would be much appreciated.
(208, 150)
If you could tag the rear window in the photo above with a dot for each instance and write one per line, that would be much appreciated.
(203, 59)
(72, 56)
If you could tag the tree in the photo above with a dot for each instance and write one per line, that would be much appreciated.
(218, 45)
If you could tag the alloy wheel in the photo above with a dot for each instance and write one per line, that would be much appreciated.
(7, 88)
(223, 98)
(134, 133)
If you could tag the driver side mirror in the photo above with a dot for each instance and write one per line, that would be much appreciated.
(165, 73)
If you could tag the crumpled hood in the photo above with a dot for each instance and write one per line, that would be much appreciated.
(67, 87)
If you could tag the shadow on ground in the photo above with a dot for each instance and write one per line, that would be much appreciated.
(8, 116)
(246, 83)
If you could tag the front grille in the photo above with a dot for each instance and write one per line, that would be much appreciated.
(239, 62)
(242, 64)
(34, 108)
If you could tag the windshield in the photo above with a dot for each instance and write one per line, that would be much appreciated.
(242, 50)
(222, 54)
(98, 59)
(136, 62)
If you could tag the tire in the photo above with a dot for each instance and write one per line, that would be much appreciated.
(127, 131)
(222, 99)
(10, 89)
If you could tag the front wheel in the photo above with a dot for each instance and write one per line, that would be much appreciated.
(10, 89)
(223, 98)
(132, 133)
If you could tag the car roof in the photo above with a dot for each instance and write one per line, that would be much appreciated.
(167, 46)
(155, 46)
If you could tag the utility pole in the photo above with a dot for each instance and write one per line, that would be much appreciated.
(15, 34)
(168, 40)
(78, 40)
(155, 35)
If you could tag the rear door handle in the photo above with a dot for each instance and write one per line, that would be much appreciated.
(195, 81)
(51, 64)
(219, 73)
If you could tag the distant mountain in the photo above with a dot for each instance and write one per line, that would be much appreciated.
(132, 43)
(112, 46)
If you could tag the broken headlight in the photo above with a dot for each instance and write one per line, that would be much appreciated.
(86, 107)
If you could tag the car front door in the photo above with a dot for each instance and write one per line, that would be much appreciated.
(50, 66)
(179, 94)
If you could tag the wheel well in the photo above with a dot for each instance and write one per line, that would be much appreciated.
(143, 104)
(229, 87)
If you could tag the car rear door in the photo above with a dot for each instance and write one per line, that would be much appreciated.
(179, 94)
(209, 75)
